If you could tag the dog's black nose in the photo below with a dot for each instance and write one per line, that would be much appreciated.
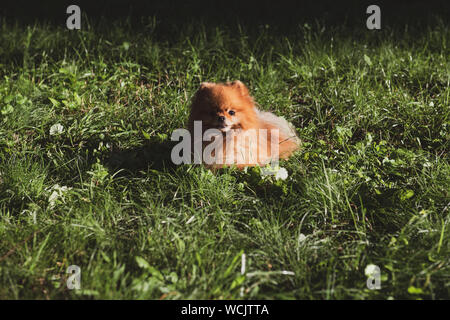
(221, 119)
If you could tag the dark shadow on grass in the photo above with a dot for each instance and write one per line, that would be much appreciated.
(153, 155)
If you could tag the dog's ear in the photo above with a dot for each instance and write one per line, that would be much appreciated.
(206, 85)
(202, 93)
(240, 86)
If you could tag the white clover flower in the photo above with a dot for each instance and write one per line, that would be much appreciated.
(277, 171)
(268, 171)
(58, 192)
(301, 237)
(56, 129)
(281, 174)
(52, 199)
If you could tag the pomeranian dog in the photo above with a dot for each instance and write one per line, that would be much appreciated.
(233, 131)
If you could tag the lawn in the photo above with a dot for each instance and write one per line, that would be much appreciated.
(86, 178)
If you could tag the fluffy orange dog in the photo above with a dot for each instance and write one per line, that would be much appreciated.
(242, 135)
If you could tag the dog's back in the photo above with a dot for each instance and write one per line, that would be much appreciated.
(289, 141)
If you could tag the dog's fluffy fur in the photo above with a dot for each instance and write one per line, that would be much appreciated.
(229, 108)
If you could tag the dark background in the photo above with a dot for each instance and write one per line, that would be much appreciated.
(284, 14)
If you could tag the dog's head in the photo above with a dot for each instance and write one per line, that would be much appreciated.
(224, 106)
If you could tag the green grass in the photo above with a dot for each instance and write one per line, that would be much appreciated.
(369, 186)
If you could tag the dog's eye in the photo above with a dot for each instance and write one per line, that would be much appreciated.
(231, 112)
